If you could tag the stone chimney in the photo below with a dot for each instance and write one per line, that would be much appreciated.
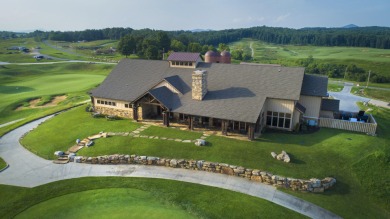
(199, 84)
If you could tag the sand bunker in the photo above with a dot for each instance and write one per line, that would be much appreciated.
(33, 103)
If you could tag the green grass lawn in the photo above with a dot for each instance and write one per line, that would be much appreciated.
(3, 164)
(329, 152)
(372, 93)
(171, 133)
(118, 197)
(61, 132)
(335, 87)
(105, 203)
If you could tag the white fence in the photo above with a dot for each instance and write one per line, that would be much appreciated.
(368, 127)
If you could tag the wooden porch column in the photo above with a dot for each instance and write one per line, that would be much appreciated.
(224, 126)
(135, 111)
(251, 131)
(211, 122)
(165, 118)
(257, 126)
(191, 123)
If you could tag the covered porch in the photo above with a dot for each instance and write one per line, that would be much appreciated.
(150, 109)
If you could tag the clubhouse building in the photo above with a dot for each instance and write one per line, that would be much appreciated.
(244, 98)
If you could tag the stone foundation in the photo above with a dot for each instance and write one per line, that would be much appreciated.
(115, 112)
(312, 185)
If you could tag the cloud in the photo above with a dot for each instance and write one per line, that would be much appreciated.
(282, 17)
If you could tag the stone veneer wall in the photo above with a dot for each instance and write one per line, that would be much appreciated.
(114, 111)
(312, 185)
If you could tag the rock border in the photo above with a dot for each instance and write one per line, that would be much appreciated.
(313, 185)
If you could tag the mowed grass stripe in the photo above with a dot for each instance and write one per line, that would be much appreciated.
(105, 203)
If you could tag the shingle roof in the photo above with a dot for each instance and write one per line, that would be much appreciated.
(183, 56)
(330, 105)
(235, 92)
(164, 96)
(315, 86)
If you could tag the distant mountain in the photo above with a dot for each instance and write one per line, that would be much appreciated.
(350, 26)
(200, 30)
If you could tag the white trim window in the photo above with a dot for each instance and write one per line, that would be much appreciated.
(105, 102)
(279, 120)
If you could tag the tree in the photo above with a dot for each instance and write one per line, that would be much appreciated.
(177, 46)
(237, 54)
(223, 47)
(127, 45)
(194, 47)
(151, 52)
(163, 41)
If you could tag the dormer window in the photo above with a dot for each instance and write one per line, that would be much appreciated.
(184, 59)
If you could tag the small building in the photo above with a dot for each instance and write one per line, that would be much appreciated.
(215, 57)
(232, 98)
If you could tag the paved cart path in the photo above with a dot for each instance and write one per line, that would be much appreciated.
(28, 170)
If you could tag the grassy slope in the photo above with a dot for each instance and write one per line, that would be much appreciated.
(18, 84)
(104, 203)
(61, 133)
(198, 200)
(328, 152)
(376, 60)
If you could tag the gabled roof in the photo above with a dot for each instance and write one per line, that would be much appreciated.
(164, 96)
(235, 92)
(314, 85)
(177, 83)
(330, 105)
(184, 56)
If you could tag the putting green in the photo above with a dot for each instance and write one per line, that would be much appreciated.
(105, 203)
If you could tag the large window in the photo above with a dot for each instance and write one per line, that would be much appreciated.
(279, 120)
(104, 102)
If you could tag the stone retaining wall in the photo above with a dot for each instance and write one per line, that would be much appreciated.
(312, 185)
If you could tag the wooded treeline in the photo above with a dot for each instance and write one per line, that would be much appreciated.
(153, 44)
(374, 37)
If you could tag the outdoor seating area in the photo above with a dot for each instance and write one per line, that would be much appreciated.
(351, 121)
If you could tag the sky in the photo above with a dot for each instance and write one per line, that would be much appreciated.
(65, 15)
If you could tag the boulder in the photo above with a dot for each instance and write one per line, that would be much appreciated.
(78, 159)
(280, 156)
(173, 163)
(200, 142)
(273, 154)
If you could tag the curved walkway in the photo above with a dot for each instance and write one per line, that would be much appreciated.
(28, 170)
